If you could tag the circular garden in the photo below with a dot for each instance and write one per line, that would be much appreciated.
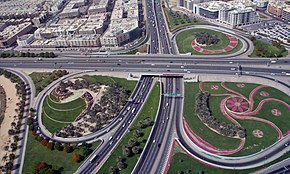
(201, 41)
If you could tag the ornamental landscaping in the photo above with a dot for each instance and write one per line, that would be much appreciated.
(244, 117)
(207, 42)
(78, 107)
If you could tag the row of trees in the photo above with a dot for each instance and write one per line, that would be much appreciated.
(28, 54)
(130, 149)
(22, 91)
(44, 168)
(204, 114)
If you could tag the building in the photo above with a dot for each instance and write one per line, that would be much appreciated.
(261, 3)
(280, 8)
(124, 26)
(25, 40)
(233, 13)
(98, 7)
(9, 35)
(78, 41)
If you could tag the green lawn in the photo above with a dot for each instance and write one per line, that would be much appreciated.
(207, 87)
(273, 93)
(185, 38)
(43, 79)
(253, 144)
(182, 162)
(127, 84)
(51, 125)
(67, 115)
(267, 49)
(279, 121)
(216, 109)
(36, 152)
(64, 106)
(244, 91)
(62, 112)
(149, 110)
(191, 90)
(176, 20)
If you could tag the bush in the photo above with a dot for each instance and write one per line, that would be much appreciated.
(44, 142)
(41, 165)
(76, 157)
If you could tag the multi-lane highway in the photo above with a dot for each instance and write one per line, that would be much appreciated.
(156, 148)
(128, 114)
(250, 67)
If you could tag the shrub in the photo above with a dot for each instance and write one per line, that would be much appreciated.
(44, 142)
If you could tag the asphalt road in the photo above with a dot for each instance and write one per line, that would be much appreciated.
(129, 113)
(151, 160)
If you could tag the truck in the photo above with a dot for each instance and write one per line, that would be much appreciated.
(93, 158)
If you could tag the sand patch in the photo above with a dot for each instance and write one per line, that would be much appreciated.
(9, 114)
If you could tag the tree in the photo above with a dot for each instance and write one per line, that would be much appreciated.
(132, 142)
(120, 159)
(9, 165)
(113, 170)
(136, 149)
(13, 146)
(50, 145)
(41, 165)
(58, 146)
(12, 156)
(44, 141)
(67, 148)
(121, 165)
(127, 151)
(137, 133)
(77, 157)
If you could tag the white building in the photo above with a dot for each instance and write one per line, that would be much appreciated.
(124, 26)
(234, 13)
(25, 40)
(261, 3)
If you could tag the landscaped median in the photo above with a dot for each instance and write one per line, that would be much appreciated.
(125, 157)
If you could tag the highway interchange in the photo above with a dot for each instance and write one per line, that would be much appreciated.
(168, 125)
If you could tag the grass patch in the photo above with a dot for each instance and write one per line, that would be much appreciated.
(51, 125)
(273, 93)
(280, 121)
(254, 144)
(106, 80)
(64, 106)
(149, 110)
(67, 115)
(267, 49)
(185, 38)
(36, 152)
(62, 112)
(220, 90)
(43, 79)
(176, 20)
(244, 91)
(191, 90)
(182, 162)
